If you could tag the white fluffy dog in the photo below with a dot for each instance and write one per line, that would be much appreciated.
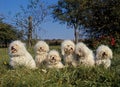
(19, 56)
(41, 52)
(54, 60)
(67, 49)
(103, 56)
(84, 55)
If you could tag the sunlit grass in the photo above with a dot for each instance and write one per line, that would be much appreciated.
(3, 52)
(67, 77)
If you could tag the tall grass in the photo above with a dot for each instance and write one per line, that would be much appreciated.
(67, 77)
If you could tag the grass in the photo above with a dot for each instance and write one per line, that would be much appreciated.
(67, 77)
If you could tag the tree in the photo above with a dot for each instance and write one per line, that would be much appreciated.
(70, 12)
(30, 30)
(1, 18)
(37, 11)
(102, 17)
(96, 17)
(8, 33)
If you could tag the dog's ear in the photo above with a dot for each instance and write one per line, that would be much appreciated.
(47, 48)
(62, 47)
(98, 55)
(59, 58)
(24, 44)
(111, 55)
(47, 58)
(62, 51)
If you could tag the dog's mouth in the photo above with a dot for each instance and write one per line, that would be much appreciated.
(13, 49)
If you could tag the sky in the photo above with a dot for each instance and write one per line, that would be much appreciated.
(50, 29)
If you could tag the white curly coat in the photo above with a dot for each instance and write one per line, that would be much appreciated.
(19, 56)
(54, 60)
(67, 50)
(84, 55)
(41, 51)
(103, 56)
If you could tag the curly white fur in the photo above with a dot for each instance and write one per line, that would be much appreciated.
(84, 55)
(103, 56)
(41, 52)
(54, 60)
(67, 49)
(19, 56)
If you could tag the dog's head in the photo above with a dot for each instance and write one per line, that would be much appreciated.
(41, 47)
(81, 50)
(53, 57)
(67, 47)
(17, 48)
(104, 52)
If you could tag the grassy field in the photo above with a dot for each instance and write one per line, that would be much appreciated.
(67, 77)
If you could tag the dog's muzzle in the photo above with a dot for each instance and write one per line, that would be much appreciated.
(104, 55)
(13, 50)
(68, 50)
(53, 60)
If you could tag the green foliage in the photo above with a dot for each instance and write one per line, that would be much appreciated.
(1, 18)
(67, 11)
(97, 17)
(102, 17)
(71, 13)
(67, 77)
(106, 40)
(8, 33)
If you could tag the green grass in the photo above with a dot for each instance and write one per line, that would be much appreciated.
(67, 77)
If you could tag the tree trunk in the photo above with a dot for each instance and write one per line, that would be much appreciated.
(76, 34)
(30, 31)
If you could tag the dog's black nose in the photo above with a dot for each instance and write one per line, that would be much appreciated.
(71, 48)
(40, 47)
(53, 58)
(103, 54)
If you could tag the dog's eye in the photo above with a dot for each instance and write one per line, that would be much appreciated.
(68, 45)
(55, 56)
(50, 56)
(16, 45)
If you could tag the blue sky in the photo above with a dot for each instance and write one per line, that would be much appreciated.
(50, 29)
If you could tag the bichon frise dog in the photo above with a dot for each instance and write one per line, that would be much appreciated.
(41, 51)
(67, 49)
(54, 60)
(103, 56)
(84, 55)
(19, 56)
